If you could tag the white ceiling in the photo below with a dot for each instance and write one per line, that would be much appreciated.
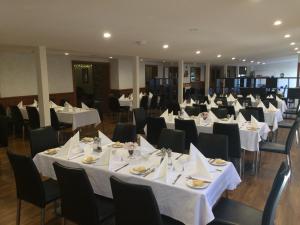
(233, 28)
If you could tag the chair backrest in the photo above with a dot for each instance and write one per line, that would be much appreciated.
(54, 119)
(114, 104)
(222, 99)
(134, 204)
(246, 114)
(42, 139)
(278, 186)
(220, 112)
(190, 129)
(291, 136)
(247, 101)
(173, 139)
(33, 116)
(257, 112)
(162, 102)
(174, 107)
(230, 109)
(78, 200)
(233, 134)
(3, 131)
(28, 181)
(2, 110)
(144, 102)
(16, 114)
(124, 132)
(140, 119)
(190, 110)
(153, 102)
(200, 108)
(154, 128)
(213, 145)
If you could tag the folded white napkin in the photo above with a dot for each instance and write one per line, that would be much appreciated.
(230, 98)
(122, 97)
(165, 114)
(68, 105)
(74, 147)
(237, 106)
(192, 101)
(251, 97)
(171, 116)
(240, 118)
(84, 106)
(262, 105)
(231, 119)
(20, 105)
(254, 122)
(146, 146)
(213, 104)
(162, 170)
(278, 99)
(131, 96)
(104, 139)
(212, 117)
(200, 163)
(52, 104)
(184, 114)
(206, 103)
(104, 158)
(35, 103)
(272, 107)
(150, 95)
(270, 97)
(141, 94)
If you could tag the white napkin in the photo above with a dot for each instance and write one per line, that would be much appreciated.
(184, 114)
(230, 98)
(141, 94)
(240, 118)
(20, 105)
(165, 114)
(74, 147)
(104, 139)
(131, 96)
(231, 119)
(84, 106)
(146, 146)
(278, 99)
(272, 107)
(212, 117)
(150, 95)
(251, 97)
(53, 105)
(35, 103)
(237, 106)
(254, 122)
(270, 97)
(171, 116)
(104, 158)
(68, 105)
(201, 165)
(162, 170)
(192, 101)
(213, 104)
(122, 97)
(262, 105)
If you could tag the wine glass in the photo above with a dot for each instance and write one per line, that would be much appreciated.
(131, 150)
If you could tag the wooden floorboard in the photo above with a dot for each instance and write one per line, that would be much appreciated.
(252, 191)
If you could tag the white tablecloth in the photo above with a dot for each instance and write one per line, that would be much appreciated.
(190, 206)
(78, 118)
(126, 102)
(249, 139)
(272, 118)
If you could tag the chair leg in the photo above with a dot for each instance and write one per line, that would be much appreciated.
(18, 212)
(64, 221)
(241, 167)
(43, 216)
(297, 136)
(289, 161)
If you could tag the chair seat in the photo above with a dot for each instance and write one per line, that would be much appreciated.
(51, 190)
(170, 221)
(230, 211)
(285, 124)
(105, 207)
(291, 111)
(272, 147)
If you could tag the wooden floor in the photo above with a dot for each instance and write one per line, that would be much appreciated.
(252, 191)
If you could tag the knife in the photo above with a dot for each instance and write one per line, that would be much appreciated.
(116, 170)
(177, 178)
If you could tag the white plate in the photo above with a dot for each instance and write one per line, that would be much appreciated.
(214, 163)
(85, 161)
(189, 183)
(136, 172)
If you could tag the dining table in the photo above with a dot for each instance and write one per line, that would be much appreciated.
(175, 198)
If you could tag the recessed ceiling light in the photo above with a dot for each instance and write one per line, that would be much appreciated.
(198, 52)
(219, 55)
(67, 53)
(296, 48)
(107, 35)
(292, 43)
(244, 60)
(110, 57)
(287, 36)
(263, 63)
(165, 46)
(277, 23)
(258, 62)
(233, 58)
(252, 61)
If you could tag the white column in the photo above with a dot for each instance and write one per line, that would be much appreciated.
(225, 70)
(180, 81)
(298, 71)
(136, 82)
(237, 70)
(207, 78)
(43, 86)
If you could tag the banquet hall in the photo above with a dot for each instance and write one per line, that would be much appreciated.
(149, 112)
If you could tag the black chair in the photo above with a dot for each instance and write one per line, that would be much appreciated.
(288, 124)
(231, 212)
(4, 121)
(18, 122)
(2, 110)
(114, 106)
(221, 99)
(213, 145)
(190, 110)
(162, 102)
(56, 125)
(190, 129)
(124, 132)
(140, 120)
(154, 102)
(42, 139)
(154, 128)
(30, 187)
(234, 142)
(267, 102)
(245, 101)
(173, 139)
(293, 111)
(136, 205)
(257, 112)
(279, 148)
(221, 113)
(62, 102)
(33, 116)
(78, 202)
(201, 107)
(144, 102)
(247, 115)
(230, 109)
(174, 107)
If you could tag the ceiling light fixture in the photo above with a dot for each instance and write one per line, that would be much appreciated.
(233, 58)
(198, 52)
(165, 46)
(287, 36)
(296, 48)
(110, 57)
(292, 43)
(107, 35)
(67, 53)
(219, 55)
(277, 23)
(244, 60)
(263, 63)
(252, 61)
